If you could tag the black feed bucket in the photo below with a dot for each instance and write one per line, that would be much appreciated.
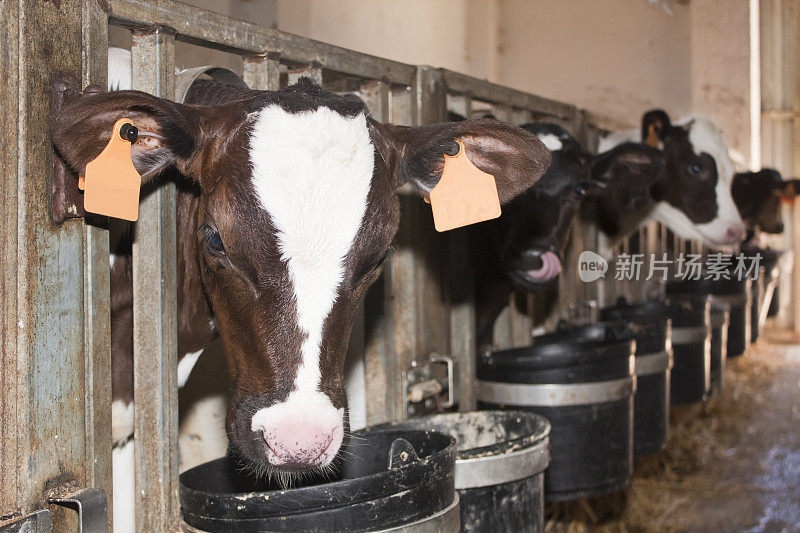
(690, 381)
(733, 291)
(720, 319)
(652, 329)
(388, 480)
(585, 389)
(502, 456)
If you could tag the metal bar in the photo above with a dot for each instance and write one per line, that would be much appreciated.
(97, 287)
(42, 326)
(378, 353)
(262, 72)
(309, 71)
(460, 103)
(209, 29)
(155, 336)
(493, 93)
(11, 382)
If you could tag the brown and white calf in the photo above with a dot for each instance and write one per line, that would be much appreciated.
(286, 211)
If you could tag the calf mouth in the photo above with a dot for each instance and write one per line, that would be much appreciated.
(289, 475)
(540, 271)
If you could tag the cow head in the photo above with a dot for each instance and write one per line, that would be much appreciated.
(758, 196)
(693, 195)
(629, 170)
(538, 220)
(297, 211)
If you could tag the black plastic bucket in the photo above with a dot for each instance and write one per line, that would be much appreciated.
(652, 329)
(388, 480)
(585, 389)
(720, 319)
(502, 456)
(733, 291)
(690, 381)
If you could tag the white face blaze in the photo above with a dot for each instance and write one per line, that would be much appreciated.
(312, 173)
(551, 141)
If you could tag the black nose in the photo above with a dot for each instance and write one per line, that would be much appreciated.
(529, 260)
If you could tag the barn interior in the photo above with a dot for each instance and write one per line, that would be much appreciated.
(431, 335)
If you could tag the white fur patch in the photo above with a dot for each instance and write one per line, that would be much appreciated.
(312, 173)
(121, 421)
(185, 366)
(119, 69)
(612, 140)
(122, 464)
(551, 141)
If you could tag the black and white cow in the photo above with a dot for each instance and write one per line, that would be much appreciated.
(523, 248)
(758, 197)
(692, 197)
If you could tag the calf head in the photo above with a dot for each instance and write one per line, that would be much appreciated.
(538, 220)
(758, 197)
(693, 196)
(629, 170)
(296, 213)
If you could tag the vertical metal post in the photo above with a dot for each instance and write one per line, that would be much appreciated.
(376, 314)
(461, 275)
(97, 287)
(51, 353)
(155, 337)
(263, 72)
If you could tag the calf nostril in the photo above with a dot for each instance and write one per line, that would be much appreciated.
(735, 232)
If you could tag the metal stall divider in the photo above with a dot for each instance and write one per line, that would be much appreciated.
(55, 397)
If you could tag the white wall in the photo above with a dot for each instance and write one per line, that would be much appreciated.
(616, 57)
(456, 34)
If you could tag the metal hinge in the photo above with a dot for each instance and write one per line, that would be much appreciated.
(429, 386)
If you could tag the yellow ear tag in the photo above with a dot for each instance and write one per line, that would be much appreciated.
(464, 195)
(652, 138)
(111, 183)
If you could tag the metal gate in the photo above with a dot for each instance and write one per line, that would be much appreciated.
(55, 408)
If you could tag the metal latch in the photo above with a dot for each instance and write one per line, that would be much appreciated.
(429, 386)
(92, 508)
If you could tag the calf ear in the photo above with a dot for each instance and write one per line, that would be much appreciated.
(789, 189)
(169, 133)
(628, 163)
(515, 157)
(654, 125)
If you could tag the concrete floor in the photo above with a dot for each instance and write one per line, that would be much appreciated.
(732, 464)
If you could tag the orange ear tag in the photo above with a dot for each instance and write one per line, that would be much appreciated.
(464, 195)
(111, 183)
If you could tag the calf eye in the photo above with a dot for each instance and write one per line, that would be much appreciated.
(694, 169)
(211, 237)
